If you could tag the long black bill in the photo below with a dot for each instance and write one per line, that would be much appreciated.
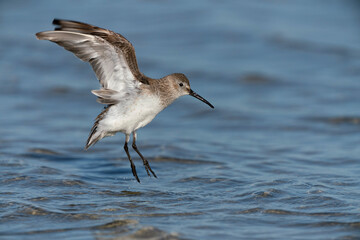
(195, 95)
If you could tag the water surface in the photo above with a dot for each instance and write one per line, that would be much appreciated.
(278, 158)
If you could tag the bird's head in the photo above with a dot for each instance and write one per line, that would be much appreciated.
(181, 86)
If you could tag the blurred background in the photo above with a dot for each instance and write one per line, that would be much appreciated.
(278, 157)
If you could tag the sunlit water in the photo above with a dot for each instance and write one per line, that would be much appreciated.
(278, 158)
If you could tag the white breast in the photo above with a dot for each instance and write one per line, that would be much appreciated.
(130, 116)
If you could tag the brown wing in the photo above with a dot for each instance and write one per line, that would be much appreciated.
(115, 39)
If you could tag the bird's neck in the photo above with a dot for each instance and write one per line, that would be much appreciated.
(166, 91)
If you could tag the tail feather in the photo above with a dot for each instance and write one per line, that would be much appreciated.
(93, 138)
(96, 134)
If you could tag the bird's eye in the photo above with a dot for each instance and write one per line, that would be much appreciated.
(181, 84)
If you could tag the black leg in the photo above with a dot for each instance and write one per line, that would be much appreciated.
(146, 163)
(133, 168)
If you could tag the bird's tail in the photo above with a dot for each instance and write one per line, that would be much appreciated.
(93, 138)
(96, 133)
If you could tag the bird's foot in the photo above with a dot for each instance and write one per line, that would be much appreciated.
(148, 168)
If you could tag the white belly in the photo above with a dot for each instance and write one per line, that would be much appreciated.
(132, 115)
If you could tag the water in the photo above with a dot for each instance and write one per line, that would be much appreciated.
(278, 158)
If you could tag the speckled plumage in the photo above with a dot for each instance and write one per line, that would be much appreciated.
(132, 99)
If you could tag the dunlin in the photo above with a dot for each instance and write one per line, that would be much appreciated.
(132, 99)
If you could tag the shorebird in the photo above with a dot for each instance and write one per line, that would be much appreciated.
(131, 99)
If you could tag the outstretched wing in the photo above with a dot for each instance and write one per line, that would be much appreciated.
(111, 55)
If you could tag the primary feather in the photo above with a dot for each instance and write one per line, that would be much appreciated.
(110, 66)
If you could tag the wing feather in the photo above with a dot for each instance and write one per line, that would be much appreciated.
(108, 63)
(117, 40)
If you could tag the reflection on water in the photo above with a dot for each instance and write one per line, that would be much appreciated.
(276, 159)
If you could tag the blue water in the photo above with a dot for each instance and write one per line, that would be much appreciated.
(278, 157)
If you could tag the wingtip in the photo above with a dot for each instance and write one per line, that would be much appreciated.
(39, 35)
(56, 21)
(46, 35)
